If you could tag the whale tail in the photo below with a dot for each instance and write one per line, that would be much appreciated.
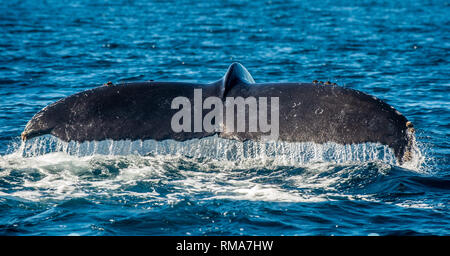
(308, 112)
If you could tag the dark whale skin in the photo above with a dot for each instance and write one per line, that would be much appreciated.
(308, 112)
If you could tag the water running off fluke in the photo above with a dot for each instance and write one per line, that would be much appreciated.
(216, 148)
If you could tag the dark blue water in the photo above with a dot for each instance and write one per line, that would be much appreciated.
(398, 51)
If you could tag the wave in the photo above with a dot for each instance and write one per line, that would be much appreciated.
(56, 177)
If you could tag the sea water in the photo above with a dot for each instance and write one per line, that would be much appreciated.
(397, 51)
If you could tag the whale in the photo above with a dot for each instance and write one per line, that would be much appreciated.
(318, 112)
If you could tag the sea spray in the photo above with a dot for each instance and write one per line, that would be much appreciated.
(217, 148)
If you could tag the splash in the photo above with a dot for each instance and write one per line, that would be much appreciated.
(151, 172)
(216, 148)
(418, 160)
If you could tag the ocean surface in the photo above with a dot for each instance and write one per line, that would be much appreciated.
(398, 51)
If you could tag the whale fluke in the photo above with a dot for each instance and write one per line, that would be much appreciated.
(308, 112)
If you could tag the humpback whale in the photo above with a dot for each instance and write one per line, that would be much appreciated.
(308, 112)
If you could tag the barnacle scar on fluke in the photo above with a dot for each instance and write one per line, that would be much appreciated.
(137, 111)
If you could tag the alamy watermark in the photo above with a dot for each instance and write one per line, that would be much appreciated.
(226, 116)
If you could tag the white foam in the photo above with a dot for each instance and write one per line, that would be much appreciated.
(213, 167)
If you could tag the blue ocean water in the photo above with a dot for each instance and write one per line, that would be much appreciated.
(398, 51)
